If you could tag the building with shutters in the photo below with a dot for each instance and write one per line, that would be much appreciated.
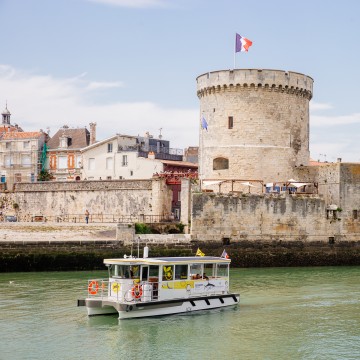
(20, 152)
(64, 151)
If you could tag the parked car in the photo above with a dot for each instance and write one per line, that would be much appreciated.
(10, 218)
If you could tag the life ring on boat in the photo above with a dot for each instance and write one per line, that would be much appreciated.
(136, 291)
(93, 287)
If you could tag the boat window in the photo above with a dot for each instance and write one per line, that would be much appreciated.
(196, 271)
(168, 272)
(154, 271)
(135, 271)
(181, 272)
(222, 270)
(120, 271)
(144, 273)
(209, 270)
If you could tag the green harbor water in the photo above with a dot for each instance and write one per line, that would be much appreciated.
(284, 313)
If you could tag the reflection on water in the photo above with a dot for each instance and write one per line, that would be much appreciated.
(284, 313)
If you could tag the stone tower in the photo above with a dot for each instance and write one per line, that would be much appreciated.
(6, 116)
(257, 124)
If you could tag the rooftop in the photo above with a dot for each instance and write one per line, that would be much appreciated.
(80, 138)
(14, 135)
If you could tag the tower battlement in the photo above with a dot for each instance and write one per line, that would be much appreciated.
(272, 80)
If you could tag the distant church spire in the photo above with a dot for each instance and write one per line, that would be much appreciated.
(6, 116)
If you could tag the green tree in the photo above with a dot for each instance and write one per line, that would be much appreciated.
(44, 175)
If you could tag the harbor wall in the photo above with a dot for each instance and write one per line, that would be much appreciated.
(268, 217)
(117, 197)
(71, 256)
(338, 184)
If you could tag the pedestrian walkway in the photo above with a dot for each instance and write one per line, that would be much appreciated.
(25, 232)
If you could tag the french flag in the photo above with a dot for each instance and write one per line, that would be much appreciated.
(242, 44)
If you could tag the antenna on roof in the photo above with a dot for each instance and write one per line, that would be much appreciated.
(160, 136)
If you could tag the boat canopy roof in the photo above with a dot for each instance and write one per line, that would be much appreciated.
(166, 260)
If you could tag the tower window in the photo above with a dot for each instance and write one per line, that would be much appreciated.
(230, 122)
(220, 163)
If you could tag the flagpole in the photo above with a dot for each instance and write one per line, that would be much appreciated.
(235, 53)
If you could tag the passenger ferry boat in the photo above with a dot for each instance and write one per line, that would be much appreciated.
(141, 287)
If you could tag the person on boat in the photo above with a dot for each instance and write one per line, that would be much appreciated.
(205, 277)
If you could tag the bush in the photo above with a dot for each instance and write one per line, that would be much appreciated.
(142, 229)
(181, 227)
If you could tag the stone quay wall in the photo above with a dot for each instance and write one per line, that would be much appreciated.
(117, 197)
(270, 123)
(265, 217)
(338, 185)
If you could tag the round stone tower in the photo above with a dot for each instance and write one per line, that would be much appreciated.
(254, 124)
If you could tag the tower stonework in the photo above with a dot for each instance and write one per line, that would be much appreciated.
(257, 124)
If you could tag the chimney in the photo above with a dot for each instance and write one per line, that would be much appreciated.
(92, 133)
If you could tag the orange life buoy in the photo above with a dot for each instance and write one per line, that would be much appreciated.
(136, 291)
(93, 287)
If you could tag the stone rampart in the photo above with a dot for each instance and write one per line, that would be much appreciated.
(101, 185)
(264, 218)
(338, 185)
(119, 198)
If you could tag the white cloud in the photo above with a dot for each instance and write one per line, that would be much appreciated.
(95, 85)
(314, 106)
(333, 136)
(132, 3)
(41, 101)
(327, 121)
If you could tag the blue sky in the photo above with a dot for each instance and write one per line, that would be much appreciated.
(131, 65)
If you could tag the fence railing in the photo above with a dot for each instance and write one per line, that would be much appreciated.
(93, 218)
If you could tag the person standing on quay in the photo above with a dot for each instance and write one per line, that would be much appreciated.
(87, 216)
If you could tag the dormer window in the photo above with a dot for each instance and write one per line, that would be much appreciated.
(65, 141)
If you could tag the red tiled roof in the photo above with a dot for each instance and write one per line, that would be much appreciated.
(317, 163)
(5, 129)
(22, 135)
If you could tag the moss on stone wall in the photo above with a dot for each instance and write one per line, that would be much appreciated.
(243, 254)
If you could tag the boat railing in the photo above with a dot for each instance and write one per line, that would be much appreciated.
(133, 292)
(98, 287)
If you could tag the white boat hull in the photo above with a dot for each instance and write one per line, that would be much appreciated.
(159, 308)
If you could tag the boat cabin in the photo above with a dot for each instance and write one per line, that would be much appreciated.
(153, 279)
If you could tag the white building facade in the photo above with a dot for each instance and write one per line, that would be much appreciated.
(117, 158)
